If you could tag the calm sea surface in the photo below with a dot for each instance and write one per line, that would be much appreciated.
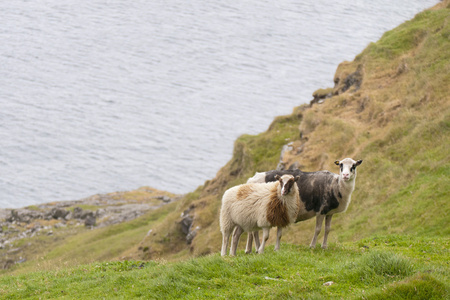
(101, 96)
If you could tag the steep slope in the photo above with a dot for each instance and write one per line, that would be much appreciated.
(390, 107)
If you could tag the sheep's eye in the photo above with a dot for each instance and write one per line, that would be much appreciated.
(342, 166)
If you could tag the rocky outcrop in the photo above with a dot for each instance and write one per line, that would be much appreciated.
(92, 212)
(320, 95)
(344, 81)
(187, 218)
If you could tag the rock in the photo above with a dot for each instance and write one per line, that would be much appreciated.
(7, 264)
(281, 166)
(166, 199)
(121, 213)
(14, 216)
(191, 235)
(100, 212)
(344, 82)
(21, 260)
(24, 215)
(58, 213)
(294, 166)
(68, 216)
(186, 224)
(90, 219)
(187, 211)
(354, 79)
(77, 212)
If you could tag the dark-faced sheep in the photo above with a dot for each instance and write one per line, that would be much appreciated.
(254, 206)
(322, 194)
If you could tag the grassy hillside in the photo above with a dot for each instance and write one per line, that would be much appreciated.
(389, 107)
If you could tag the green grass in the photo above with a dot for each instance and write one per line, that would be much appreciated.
(408, 35)
(388, 267)
(261, 152)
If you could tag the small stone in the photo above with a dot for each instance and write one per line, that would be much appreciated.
(90, 220)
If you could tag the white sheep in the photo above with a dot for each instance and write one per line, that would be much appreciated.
(250, 207)
(322, 194)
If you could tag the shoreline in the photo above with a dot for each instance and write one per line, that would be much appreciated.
(53, 218)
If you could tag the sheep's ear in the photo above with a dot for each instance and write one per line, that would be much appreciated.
(337, 162)
(359, 162)
(277, 177)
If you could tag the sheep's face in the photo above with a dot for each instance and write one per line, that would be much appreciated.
(348, 168)
(286, 183)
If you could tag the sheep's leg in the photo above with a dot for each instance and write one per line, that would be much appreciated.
(327, 230)
(248, 247)
(264, 240)
(256, 238)
(319, 221)
(235, 239)
(252, 236)
(279, 234)
(225, 239)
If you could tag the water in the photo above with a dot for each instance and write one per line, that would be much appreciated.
(100, 96)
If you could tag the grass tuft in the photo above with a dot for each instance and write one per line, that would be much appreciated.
(378, 267)
(418, 287)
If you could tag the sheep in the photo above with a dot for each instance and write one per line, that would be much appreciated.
(322, 194)
(250, 207)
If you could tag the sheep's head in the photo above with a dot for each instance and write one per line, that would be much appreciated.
(348, 168)
(286, 183)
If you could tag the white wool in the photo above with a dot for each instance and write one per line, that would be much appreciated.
(249, 210)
